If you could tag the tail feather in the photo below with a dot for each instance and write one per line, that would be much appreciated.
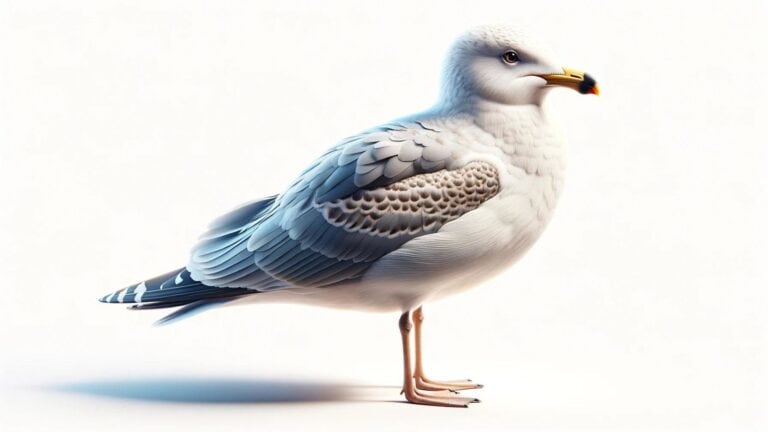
(177, 288)
(194, 308)
(172, 289)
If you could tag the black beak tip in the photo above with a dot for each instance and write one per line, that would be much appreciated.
(587, 85)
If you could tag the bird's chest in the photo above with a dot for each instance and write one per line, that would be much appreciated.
(530, 158)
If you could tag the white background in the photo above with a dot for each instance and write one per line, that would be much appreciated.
(126, 126)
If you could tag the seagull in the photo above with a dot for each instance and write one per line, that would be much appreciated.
(401, 214)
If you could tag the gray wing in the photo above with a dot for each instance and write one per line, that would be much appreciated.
(361, 200)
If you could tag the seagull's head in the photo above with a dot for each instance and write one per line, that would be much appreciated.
(500, 64)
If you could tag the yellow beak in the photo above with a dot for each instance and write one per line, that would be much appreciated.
(574, 79)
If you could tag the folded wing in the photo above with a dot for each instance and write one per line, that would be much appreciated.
(361, 200)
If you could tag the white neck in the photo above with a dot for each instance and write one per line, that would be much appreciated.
(522, 132)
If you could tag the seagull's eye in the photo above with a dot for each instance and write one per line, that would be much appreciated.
(510, 57)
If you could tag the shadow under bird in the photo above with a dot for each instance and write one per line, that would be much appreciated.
(401, 214)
